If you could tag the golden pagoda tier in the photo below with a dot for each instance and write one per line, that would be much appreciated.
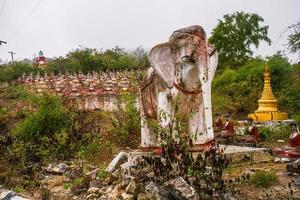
(267, 104)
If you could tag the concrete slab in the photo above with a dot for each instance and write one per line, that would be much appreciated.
(231, 149)
(237, 154)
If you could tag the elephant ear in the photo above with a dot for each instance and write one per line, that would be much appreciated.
(162, 62)
(213, 61)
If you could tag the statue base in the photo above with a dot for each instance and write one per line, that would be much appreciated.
(268, 116)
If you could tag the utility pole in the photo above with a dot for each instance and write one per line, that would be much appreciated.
(12, 56)
(1, 41)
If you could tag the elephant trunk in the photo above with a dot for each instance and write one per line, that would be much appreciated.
(204, 69)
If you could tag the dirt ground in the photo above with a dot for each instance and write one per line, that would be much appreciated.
(278, 190)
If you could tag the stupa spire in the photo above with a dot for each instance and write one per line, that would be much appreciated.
(267, 104)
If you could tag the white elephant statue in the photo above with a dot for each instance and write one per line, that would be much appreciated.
(181, 70)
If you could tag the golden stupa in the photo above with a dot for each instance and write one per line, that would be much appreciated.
(267, 104)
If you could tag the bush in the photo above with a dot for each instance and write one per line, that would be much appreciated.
(50, 119)
(296, 117)
(10, 72)
(279, 132)
(42, 135)
(263, 179)
(264, 133)
(125, 121)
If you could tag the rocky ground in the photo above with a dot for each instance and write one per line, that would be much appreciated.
(123, 180)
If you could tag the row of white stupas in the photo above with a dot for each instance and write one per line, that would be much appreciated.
(81, 84)
(86, 91)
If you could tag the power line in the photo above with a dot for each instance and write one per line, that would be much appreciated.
(26, 19)
(12, 56)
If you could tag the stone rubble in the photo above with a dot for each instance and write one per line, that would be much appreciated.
(61, 168)
(293, 166)
(10, 195)
(182, 188)
(121, 158)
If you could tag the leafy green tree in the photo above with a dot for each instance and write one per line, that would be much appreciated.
(237, 90)
(294, 38)
(89, 59)
(235, 35)
(118, 59)
(62, 65)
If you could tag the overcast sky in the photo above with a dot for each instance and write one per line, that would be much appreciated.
(59, 26)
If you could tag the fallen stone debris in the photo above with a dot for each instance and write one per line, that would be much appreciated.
(10, 195)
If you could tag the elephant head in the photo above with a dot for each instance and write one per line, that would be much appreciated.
(189, 46)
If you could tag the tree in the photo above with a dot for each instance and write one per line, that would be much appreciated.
(235, 35)
(141, 57)
(294, 38)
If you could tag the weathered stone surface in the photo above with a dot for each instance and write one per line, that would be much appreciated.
(91, 196)
(283, 160)
(131, 188)
(114, 193)
(93, 174)
(297, 181)
(7, 194)
(125, 180)
(53, 181)
(93, 183)
(111, 193)
(10, 195)
(93, 190)
(121, 158)
(116, 174)
(152, 190)
(127, 196)
(126, 167)
(155, 191)
(142, 196)
(183, 188)
(61, 168)
(228, 196)
(293, 166)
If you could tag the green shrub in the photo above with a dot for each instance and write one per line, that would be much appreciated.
(263, 179)
(125, 121)
(102, 174)
(279, 132)
(296, 117)
(67, 186)
(264, 133)
(43, 134)
(19, 189)
(50, 118)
